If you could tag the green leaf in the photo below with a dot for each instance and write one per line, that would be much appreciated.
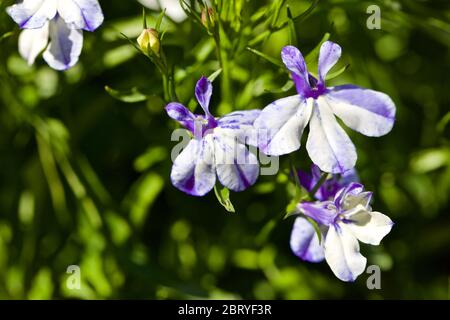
(130, 96)
(443, 122)
(291, 28)
(300, 17)
(159, 21)
(6, 35)
(316, 228)
(214, 75)
(265, 231)
(266, 57)
(223, 195)
(337, 73)
(287, 86)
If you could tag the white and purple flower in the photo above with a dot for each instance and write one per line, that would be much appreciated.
(55, 26)
(218, 147)
(369, 112)
(342, 222)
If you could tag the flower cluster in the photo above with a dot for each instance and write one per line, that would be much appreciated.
(341, 211)
(55, 26)
(219, 148)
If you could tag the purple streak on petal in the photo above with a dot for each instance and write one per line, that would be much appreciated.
(239, 118)
(91, 12)
(240, 125)
(329, 55)
(32, 14)
(203, 92)
(322, 212)
(237, 168)
(304, 241)
(65, 45)
(369, 112)
(181, 114)
(193, 170)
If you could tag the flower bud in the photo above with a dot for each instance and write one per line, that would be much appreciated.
(149, 41)
(208, 19)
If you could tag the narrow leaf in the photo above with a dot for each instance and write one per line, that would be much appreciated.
(130, 96)
(223, 195)
(266, 57)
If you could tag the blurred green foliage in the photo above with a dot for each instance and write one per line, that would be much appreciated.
(84, 177)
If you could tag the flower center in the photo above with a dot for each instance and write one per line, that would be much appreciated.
(316, 89)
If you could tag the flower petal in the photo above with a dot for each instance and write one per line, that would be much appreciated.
(240, 124)
(305, 242)
(173, 9)
(181, 114)
(65, 45)
(32, 14)
(329, 55)
(351, 196)
(203, 92)
(294, 62)
(237, 168)
(32, 42)
(81, 14)
(368, 227)
(342, 253)
(323, 213)
(329, 147)
(281, 124)
(193, 169)
(369, 112)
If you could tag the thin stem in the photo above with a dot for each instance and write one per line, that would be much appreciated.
(322, 179)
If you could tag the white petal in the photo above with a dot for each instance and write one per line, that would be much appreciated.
(342, 253)
(369, 112)
(237, 168)
(329, 147)
(281, 124)
(368, 227)
(32, 42)
(81, 14)
(65, 45)
(32, 14)
(193, 170)
(173, 8)
(305, 242)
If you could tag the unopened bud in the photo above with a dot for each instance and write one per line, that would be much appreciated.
(208, 19)
(149, 41)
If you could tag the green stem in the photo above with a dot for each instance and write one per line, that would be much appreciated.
(225, 84)
(322, 179)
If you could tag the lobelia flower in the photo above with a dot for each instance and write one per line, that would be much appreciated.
(342, 222)
(367, 111)
(218, 147)
(56, 26)
(329, 187)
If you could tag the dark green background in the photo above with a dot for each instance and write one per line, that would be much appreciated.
(84, 177)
